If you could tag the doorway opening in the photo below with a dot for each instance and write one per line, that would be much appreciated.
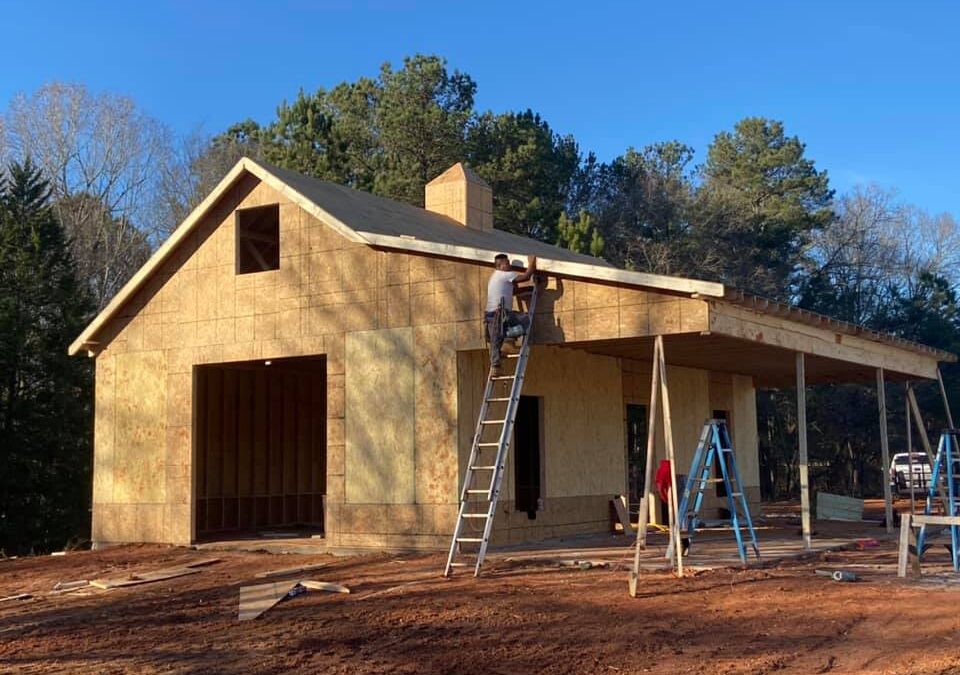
(528, 455)
(636, 450)
(260, 444)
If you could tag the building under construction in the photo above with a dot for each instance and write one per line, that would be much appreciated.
(299, 354)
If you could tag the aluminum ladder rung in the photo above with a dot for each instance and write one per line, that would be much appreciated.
(502, 377)
(478, 492)
(475, 515)
(489, 444)
(498, 399)
(490, 467)
(470, 540)
(493, 421)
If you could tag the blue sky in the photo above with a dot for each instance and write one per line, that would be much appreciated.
(873, 88)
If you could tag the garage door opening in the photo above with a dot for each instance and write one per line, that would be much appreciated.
(260, 446)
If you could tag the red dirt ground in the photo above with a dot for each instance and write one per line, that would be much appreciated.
(402, 617)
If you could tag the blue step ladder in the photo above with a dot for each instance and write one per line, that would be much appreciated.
(945, 484)
(715, 445)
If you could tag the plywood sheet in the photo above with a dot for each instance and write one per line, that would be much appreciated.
(138, 578)
(257, 599)
(140, 419)
(379, 466)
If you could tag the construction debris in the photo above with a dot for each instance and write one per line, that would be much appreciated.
(202, 563)
(582, 564)
(18, 596)
(289, 570)
(619, 503)
(65, 586)
(257, 599)
(837, 575)
(838, 507)
(324, 586)
(143, 577)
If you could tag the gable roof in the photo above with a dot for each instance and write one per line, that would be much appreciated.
(365, 218)
(383, 223)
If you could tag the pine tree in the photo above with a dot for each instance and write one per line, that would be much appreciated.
(45, 434)
(580, 236)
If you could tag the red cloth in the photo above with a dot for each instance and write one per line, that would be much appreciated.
(663, 479)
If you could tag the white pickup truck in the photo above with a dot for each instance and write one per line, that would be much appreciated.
(901, 477)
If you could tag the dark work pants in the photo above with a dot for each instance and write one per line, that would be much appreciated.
(497, 327)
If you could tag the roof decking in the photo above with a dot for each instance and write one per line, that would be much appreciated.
(386, 224)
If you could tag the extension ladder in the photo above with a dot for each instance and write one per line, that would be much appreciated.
(945, 483)
(488, 456)
(715, 443)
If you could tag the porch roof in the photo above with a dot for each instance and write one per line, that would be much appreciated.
(771, 366)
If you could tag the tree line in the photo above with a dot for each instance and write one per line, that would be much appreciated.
(93, 183)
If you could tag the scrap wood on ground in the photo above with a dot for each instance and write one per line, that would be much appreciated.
(416, 621)
(257, 599)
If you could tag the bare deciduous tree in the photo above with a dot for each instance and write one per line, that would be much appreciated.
(102, 155)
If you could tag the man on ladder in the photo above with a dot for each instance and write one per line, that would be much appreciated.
(500, 319)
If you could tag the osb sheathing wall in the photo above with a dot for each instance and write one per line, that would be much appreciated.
(582, 443)
(694, 395)
(392, 461)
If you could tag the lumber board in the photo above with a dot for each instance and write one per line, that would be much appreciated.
(138, 578)
(620, 506)
(838, 507)
(289, 570)
(289, 441)
(943, 397)
(260, 437)
(228, 443)
(643, 518)
(318, 404)
(324, 586)
(560, 268)
(885, 451)
(257, 599)
(750, 325)
(668, 442)
(304, 477)
(919, 519)
(903, 553)
(245, 470)
(275, 432)
(802, 447)
(202, 563)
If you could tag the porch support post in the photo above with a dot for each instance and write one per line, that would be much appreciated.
(918, 420)
(658, 387)
(668, 442)
(943, 394)
(906, 401)
(885, 451)
(802, 442)
(924, 439)
(644, 517)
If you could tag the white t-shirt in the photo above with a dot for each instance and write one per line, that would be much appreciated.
(500, 286)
